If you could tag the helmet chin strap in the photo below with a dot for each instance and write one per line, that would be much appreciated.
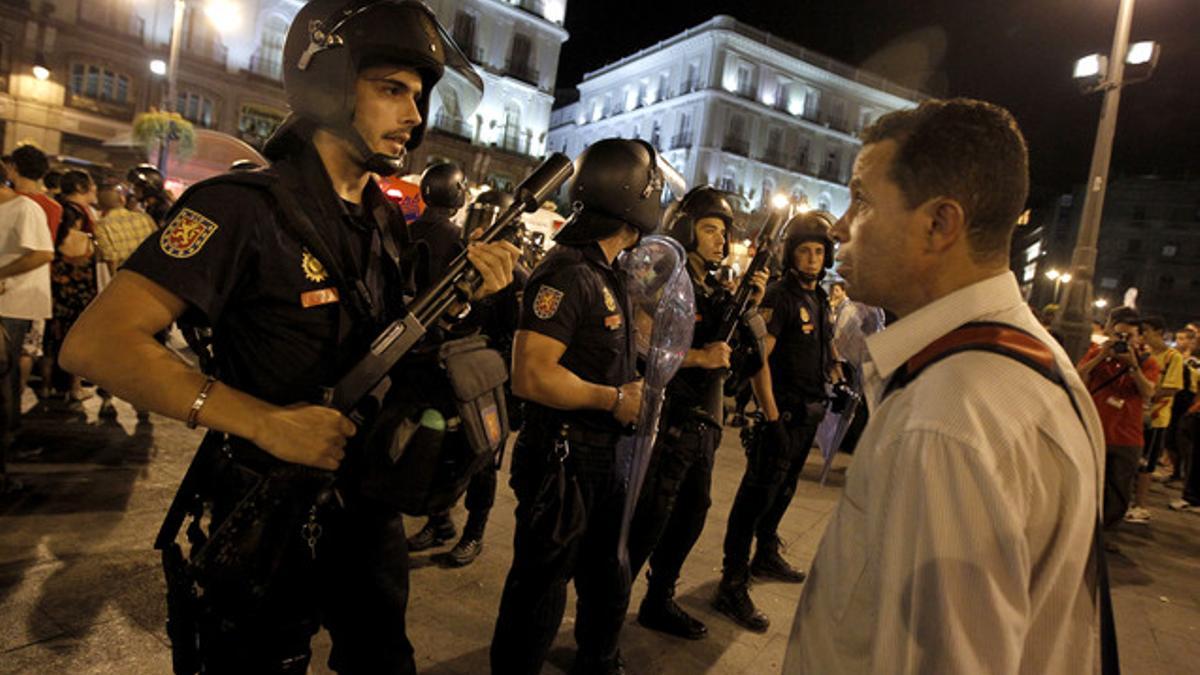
(375, 162)
(809, 278)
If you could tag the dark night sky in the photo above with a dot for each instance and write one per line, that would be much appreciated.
(1018, 53)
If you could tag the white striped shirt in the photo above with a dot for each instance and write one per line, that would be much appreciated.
(961, 542)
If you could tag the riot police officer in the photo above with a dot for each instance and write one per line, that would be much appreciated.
(574, 364)
(791, 390)
(444, 191)
(150, 191)
(675, 497)
(295, 269)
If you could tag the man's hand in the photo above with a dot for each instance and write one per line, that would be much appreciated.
(715, 355)
(1128, 357)
(306, 434)
(759, 283)
(495, 263)
(631, 402)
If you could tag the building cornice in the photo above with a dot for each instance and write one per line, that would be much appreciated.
(541, 21)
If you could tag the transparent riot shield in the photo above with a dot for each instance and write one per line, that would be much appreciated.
(664, 313)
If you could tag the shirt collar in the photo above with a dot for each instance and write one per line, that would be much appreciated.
(900, 341)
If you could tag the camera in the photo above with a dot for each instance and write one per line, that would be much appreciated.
(1121, 343)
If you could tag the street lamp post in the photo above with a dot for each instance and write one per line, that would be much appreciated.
(173, 58)
(1073, 322)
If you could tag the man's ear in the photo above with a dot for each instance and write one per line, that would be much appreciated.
(945, 221)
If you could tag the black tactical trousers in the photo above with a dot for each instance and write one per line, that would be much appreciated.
(357, 587)
(768, 486)
(481, 496)
(568, 522)
(674, 500)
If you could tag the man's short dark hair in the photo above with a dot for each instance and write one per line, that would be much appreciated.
(52, 180)
(31, 163)
(1123, 315)
(838, 284)
(968, 150)
(1154, 321)
(75, 181)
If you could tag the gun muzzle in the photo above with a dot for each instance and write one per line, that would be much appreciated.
(543, 181)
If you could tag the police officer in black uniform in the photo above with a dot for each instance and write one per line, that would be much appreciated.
(444, 191)
(239, 254)
(574, 364)
(792, 393)
(675, 496)
(150, 191)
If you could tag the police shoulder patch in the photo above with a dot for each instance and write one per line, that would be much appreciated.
(186, 234)
(545, 304)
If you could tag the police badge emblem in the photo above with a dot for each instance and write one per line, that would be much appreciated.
(186, 234)
(610, 303)
(545, 304)
(313, 269)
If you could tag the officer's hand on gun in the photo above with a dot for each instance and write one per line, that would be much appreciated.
(306, 434)
(495, 263)
(715, 355)
(759, 282)
(630, 404)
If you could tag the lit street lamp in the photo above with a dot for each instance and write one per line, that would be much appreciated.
(1059, 278)
(1097, 73)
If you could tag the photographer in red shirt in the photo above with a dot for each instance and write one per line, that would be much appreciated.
(1121, 379)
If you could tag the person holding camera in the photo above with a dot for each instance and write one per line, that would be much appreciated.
(1120, 381)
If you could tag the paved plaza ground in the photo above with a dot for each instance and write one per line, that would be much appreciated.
(81, 590)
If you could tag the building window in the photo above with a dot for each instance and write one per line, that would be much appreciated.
(98, 82)
(197, 108)
(728, 181)
(268, 59)
(520, 61)
(1108, 282)
(256, 123)
(1033, 251)
(464, 34)
(744, 76)
(656, 134)
(693, 79)
(114, 14)
(1029, 273)
(664, 85)
(201, 38)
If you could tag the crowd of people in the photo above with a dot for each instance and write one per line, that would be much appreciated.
(962, 541)
(63, 238)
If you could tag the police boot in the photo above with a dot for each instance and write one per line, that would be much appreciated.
(733, 600)
(436, 532)
(769, 564)
(465, 551)
(660, 612)
(592, 665)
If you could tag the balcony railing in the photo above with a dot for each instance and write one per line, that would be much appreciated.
(523, 71)
(513, 141)
(738, 146)
(681, 140)
(832, 175)
(100, 107)
(455, 126)
(268, 68)
(775, 156)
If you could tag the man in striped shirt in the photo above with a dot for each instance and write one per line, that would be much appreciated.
(119, 230)
(961, 542)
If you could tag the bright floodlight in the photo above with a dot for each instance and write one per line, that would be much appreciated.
(224, 14)
(1066, 278)
(780, 201)
(1100, 303)
(158, 67)
(1139, 53)
(1052, 274)
(1089, 66)
(41, 72)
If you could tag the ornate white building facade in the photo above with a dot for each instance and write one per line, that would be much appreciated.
(738, 108)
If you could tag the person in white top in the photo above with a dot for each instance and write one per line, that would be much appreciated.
(961, 542)
(25, 253)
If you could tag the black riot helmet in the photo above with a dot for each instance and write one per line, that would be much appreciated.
(330, 41)
(244, 165)
(444, 186)
(616, 182)
(146, 179)
(484, 211)
(812, 225)
(704, 201)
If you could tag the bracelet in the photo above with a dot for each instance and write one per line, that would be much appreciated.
(617, 403)
(201, 399)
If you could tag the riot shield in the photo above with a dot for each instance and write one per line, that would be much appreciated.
(664, 312)
(833, 428)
